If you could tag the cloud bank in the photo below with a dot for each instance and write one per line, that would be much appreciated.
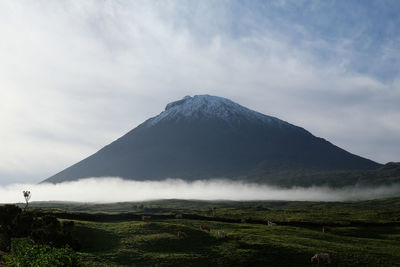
(112, 189)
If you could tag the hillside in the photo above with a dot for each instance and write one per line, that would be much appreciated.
(384, 175)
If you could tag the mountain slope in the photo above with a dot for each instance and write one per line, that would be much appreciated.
(206, 136)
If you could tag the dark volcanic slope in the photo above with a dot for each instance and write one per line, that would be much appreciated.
(206, 136)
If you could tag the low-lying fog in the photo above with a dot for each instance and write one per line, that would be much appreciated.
(118, 190)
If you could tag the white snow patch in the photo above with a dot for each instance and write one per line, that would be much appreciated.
(208, 106)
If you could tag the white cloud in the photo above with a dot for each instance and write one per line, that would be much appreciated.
(76, 75)
(107, 190)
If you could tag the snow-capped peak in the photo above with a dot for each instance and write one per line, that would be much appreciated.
(210, 107)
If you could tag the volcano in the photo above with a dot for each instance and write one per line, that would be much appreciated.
(203, 137)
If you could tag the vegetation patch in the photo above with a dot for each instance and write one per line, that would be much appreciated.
(24, 252)
(256, 233)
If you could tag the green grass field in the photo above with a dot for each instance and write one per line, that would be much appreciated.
(156, 243)
(363, 233)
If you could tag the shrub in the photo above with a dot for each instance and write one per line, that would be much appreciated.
(24, 252)
(45, 230)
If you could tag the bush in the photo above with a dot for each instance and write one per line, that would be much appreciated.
(4, 242)
(9, 215)
(45, 230)
(24, 252)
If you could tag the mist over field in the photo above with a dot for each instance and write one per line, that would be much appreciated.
(114, 189)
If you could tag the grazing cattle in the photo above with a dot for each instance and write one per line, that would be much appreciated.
(321, 257)
(205, 227)
(182, 235)
(221, 234)
(271, 223)
(178, 216)
(145, 218)
(326, 229)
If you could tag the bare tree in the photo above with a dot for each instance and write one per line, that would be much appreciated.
(27, 196)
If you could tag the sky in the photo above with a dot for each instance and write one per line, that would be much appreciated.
(76, 75)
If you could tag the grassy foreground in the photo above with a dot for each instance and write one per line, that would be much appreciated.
(362, 233)
(156, 243)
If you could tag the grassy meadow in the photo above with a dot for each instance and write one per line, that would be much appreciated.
(363, 233)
